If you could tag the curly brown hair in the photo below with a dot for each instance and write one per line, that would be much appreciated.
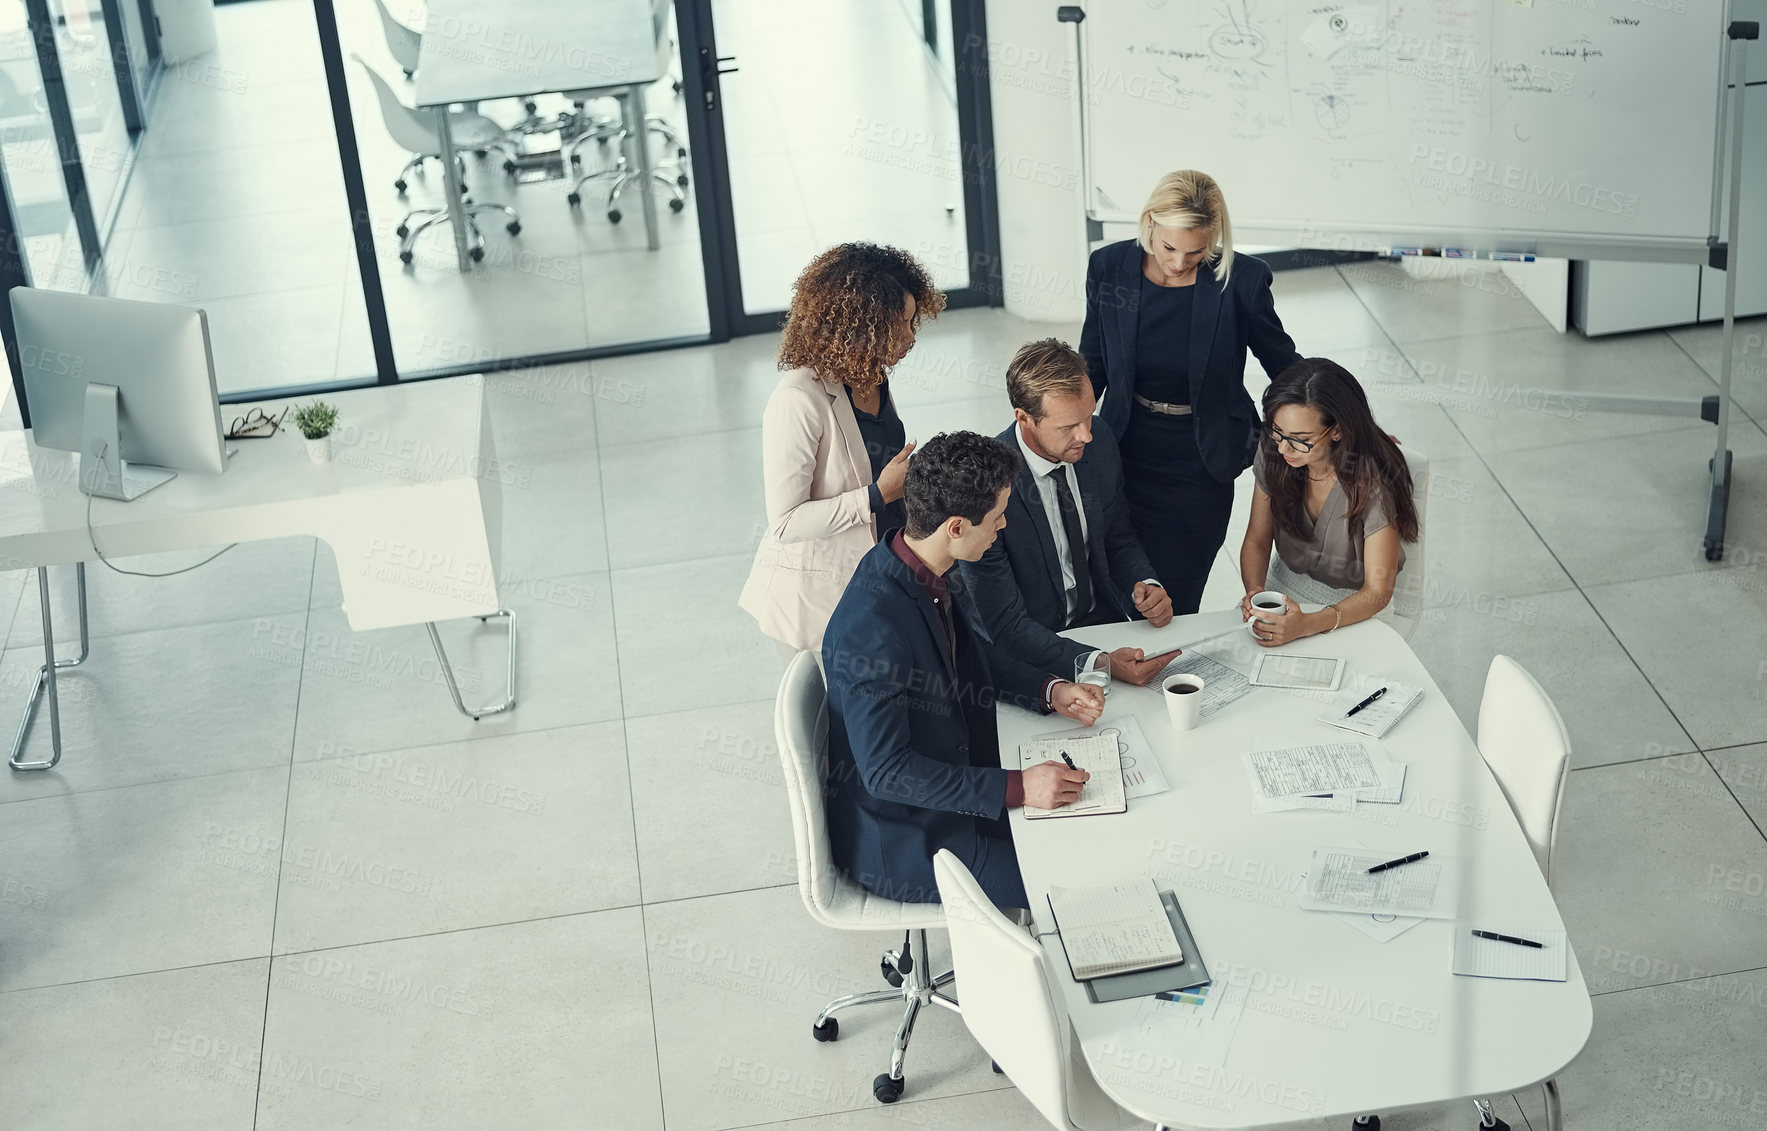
(845, 307)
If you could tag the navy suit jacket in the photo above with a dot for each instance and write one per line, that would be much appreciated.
(913, 754)
(1017, 588)
(1224, 322)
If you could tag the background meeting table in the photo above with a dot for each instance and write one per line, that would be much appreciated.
(411, 505)
(1337, 1024)
(482, 50)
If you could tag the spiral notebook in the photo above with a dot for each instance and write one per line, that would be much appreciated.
(1380, 716)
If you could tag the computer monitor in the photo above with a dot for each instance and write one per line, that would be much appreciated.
(128, 385)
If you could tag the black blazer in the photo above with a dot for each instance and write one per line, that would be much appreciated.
(913, 753)
(1224, 322)
(1016, 587)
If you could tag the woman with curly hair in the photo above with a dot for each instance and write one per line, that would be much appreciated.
(832, 444)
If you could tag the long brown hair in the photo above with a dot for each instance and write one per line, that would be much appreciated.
(1367, 462)
(844, 309)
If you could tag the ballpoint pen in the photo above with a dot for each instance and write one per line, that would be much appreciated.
(1396, 863)
(1068, 760)
(1365, 702)
(1495, 937)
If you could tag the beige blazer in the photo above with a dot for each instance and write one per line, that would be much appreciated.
(819, 520)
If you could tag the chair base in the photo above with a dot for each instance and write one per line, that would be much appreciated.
(913, 990)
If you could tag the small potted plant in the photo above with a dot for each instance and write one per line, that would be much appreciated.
(315, 422)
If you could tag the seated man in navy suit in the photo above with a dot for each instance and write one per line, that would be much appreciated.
(1069, 557)
(914, 763)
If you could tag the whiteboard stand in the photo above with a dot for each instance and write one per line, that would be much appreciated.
(1076, 15)
(1740, 32)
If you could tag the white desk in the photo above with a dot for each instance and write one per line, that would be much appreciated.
(411, 506)
(1338, 1025)
(479, 50)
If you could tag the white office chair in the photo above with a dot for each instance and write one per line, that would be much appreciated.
(417, 131)
(1523, 739)
(403, 43)
(800, 721)
(1408, 592)
(1012, 1010)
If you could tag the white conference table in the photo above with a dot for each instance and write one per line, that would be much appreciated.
(482, 50)
(411, 506)
(1337, 1024)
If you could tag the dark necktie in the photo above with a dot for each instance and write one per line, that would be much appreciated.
(1070, 524)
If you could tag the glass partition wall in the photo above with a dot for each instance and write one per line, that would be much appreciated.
(277, 163)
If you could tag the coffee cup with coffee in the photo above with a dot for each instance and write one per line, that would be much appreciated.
(1266, 604)
(1183, 694)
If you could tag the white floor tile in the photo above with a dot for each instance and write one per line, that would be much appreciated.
(1744, 770)
(543, 1024)
(160, 1052)
(694, 497)
(1439, 302)
(1681, 1056)
(156, 877)
(1612, 517)
(675, 394)
(1659, 875)
(684, 618)
(1609, 709)
(1701, 639)
(468, 834)
(385, 690)
(722, 765)
(736, 981)
(129, 716)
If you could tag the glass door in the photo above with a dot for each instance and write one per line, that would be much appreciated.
(843, 120)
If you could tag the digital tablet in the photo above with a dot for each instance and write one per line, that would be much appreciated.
(1303, 673)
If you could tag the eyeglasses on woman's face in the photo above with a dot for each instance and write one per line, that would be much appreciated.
(1297, 445)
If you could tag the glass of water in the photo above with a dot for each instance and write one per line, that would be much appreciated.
(1094, 668)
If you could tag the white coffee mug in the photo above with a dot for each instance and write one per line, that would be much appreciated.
(1266, 604)
(1184, 708)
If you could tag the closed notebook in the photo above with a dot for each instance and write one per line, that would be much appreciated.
(1114, 929)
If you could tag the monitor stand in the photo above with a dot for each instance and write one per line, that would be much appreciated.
(102, 470)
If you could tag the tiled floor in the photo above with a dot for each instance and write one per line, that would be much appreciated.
(278, 882)
(236, 200)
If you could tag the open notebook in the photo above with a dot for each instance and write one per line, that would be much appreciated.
(1097, 755)
(1114, 928)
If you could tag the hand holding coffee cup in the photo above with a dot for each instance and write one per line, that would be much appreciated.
(1183, 694)
(1270, 617)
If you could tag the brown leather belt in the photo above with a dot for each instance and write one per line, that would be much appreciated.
(1162, 407)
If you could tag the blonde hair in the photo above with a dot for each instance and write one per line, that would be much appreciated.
(1040, 368)
(1188, 200)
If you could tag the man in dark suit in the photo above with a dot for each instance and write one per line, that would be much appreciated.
(1069, 556)
(914, 763)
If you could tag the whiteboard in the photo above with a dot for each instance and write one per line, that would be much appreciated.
(1581, 128)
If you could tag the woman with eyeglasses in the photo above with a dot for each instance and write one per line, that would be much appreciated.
(1333, 498)
(1170, 316)
(834, 451)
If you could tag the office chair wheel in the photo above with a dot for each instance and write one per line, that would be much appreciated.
(887, 1090)
(827, 1031)
(404, 257)
(681, 151)
(401, 186)
(613, 215)
(478, 254)
(1365, 1123)
(514, 227)
(402, 231)
(677, 205)
(574, 199)
(407, 74)
(890, 974)
(480, 153)
(1496, 1125)
(509, 166)
(682, 180)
